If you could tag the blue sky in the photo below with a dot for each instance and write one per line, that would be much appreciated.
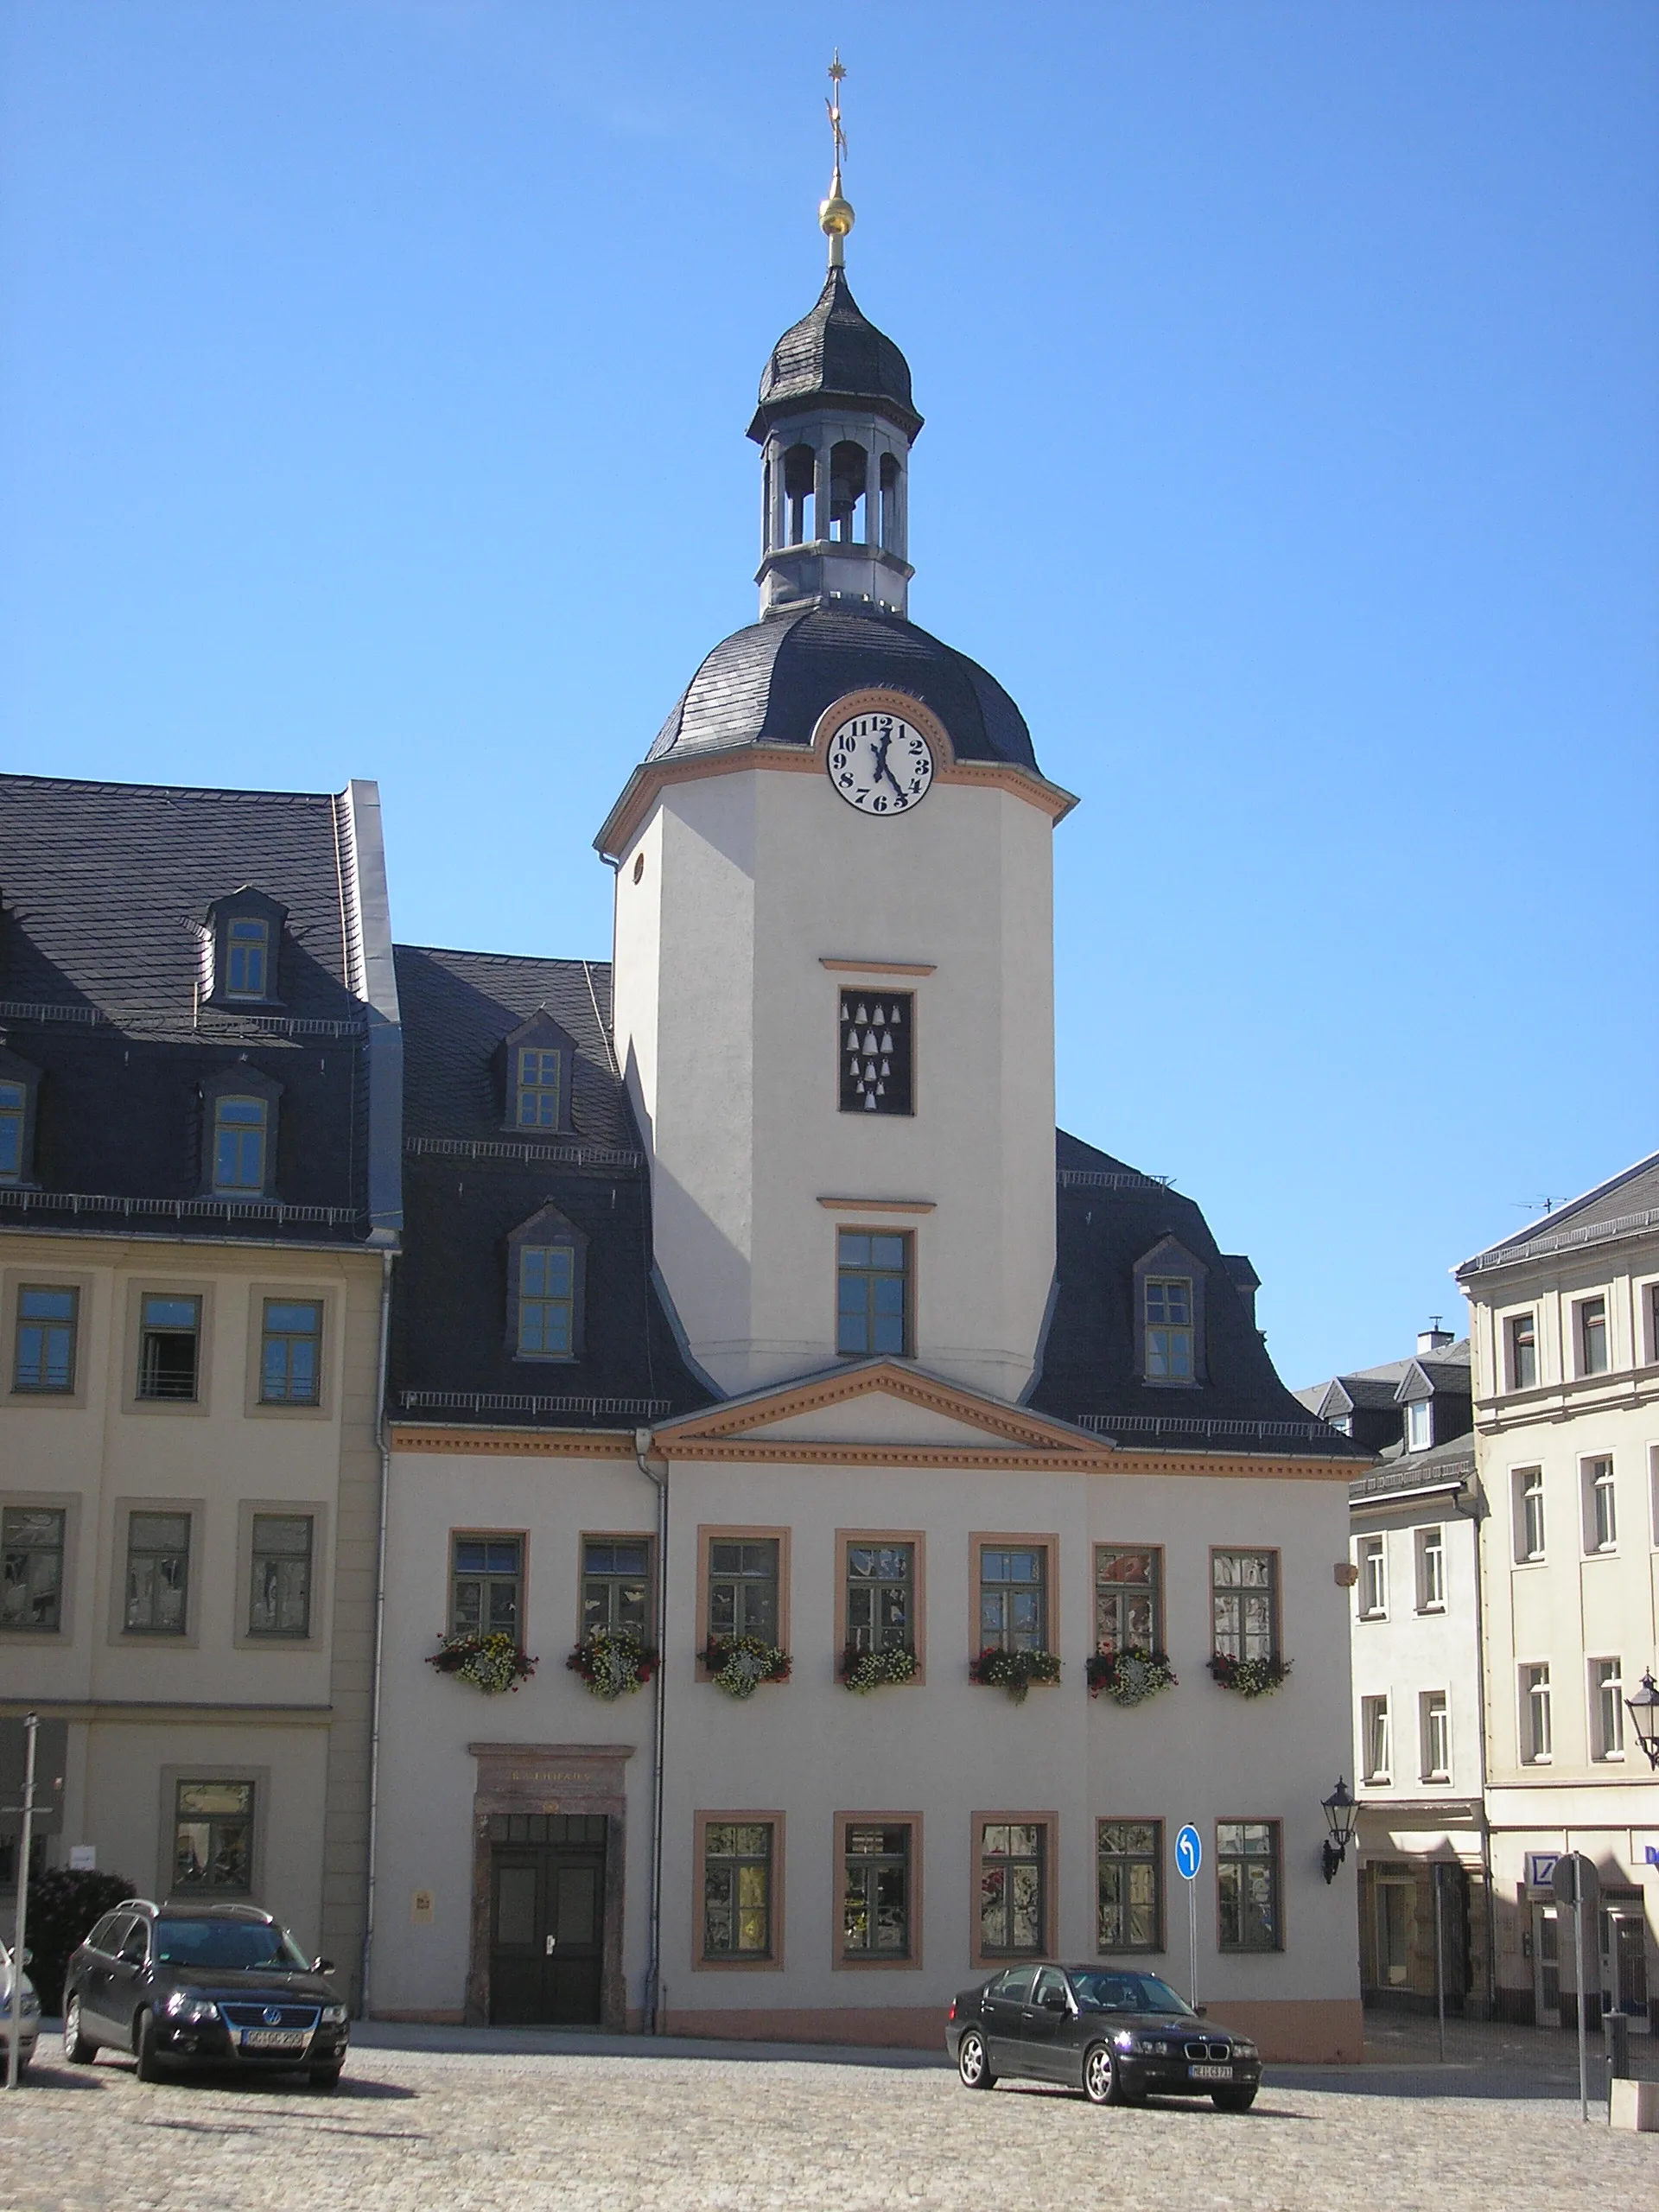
(372, 390)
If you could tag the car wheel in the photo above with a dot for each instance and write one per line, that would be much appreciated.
(1233, 2099)
(150, 2065)
(1103, 2084)
(77, 2047)
(973, 2061)
(325, 2077)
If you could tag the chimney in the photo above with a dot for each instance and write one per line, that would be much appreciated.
(1433, 1337)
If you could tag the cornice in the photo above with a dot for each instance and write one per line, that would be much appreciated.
(513, 1443)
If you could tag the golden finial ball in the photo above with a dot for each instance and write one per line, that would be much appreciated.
(835, 216)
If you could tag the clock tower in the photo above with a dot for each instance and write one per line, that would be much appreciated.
(833, 978)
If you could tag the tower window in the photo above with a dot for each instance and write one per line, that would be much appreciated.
(872, 1295)
(798, 494)
(892, 530)
(875, 1037)
(849, 474)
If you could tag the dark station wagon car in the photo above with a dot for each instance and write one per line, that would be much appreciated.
(1118, 2036)
(221, 1984)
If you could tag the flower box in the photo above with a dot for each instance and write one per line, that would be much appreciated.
(1129, 1677)
(488, 1662)
(1014, 1671)
(613, 1662)
(1250, 1677)
(862, 1671)
(739, 1664)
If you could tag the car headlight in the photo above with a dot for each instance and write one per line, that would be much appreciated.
(185, 2006)
(334, 2016)
(1127, 2039)
(1245, 2050)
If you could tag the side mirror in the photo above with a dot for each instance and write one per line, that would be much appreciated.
(1054, 2002)
(322, 1966)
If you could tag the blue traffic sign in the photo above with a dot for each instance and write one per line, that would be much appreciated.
(1189, 1853)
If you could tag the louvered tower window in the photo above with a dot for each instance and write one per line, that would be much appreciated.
(876, 1033)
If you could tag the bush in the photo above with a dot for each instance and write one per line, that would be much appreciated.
(64, 1906)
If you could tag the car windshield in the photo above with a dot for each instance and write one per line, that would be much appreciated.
(1127, 1992)
(236, 1946)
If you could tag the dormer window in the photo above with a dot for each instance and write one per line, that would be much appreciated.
(239, 1118)
(19, 1084)
(541, 1058)
(242, 936)
(539, 1089)
(1420, 1425)
(546, 1287)
(1169, 1316)
(247, 956)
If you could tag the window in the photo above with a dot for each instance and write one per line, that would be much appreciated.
(1247, 1885)
(290, 1368)
(238, 1146)
(1522, 1333)
(1244, 1596)
(1434, 1731)
(1535, 1716)
(616, 1585)
(1607, 1708)
(872, 1294)
(212, 1837)
(1373, 1579)
(1343, 1423)
(31, 1566)
(1012, 1597)
(1129, 1600)
(1013, 1886)
(538, 1088)
(881, 1597)
(487, 1585)
(279, 1599)
(547, 1301)
(875, 1037)
(1420, 1425)
(158, 1573)
(14, 1106)
(743, 1587)
(1169, 1329)
(737, 1862)
(1431, 1570)
(1129, 1885)
(875, 1891)
(1592, 1336)
(247, 956)
(169, 1344)
(1529, 1496)
(1600, 1507)
(47, 1315)
(1374, 1745)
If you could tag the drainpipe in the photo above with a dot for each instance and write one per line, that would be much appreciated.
(658, 1475)
(1476, 1513)
(383, 1443)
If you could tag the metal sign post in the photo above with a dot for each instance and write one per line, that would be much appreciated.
(1576, 1883)
(15, 1995)
(1189, 1857)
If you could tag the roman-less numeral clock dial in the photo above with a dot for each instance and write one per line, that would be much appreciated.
(880, 764)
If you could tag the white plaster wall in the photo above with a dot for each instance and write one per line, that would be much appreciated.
(1413, 1651)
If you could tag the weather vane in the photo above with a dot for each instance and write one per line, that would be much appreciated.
(834, 213)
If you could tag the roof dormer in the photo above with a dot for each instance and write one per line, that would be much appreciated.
(538, 1072)
(242, 940)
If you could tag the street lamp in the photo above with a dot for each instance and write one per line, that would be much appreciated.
(1643, 1709)
(1340, 1814)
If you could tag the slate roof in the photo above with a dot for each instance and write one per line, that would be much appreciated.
(835, 353)
(1399, 1470)
(767, 684)
(1626, 1203)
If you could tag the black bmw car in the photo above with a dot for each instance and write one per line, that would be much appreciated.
(1115, 2035)
(220, 1985)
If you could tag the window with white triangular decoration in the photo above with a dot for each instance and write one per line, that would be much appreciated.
(876, 1034)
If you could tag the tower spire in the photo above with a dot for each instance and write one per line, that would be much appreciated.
(834, 213)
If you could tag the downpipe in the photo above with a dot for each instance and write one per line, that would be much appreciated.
(383, 1443)
(658, 1475)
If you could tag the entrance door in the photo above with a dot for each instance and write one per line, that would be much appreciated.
(1623, 1959)
(547, 1894)
(1394, 1934)
(1547, 1965)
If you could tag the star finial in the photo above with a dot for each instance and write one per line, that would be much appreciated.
(834, 213)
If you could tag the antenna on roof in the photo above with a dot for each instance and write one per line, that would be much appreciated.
(1541, 1204)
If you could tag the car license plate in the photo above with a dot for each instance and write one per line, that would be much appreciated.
(1210, 2073)
(274, 2038)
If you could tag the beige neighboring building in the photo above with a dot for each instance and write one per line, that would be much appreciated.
(1564, 1320)
(199, 1137)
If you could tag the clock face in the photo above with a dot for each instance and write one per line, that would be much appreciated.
(880, 764)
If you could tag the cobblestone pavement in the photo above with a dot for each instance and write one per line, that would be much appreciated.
(426, 2130)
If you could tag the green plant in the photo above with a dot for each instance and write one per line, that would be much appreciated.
(1129, 1677)
(1249, 1677)
(1014, 1671)
(489, 1662)
(868, 1670)
(65, 1905)
(613, 1662)
(739, 1664)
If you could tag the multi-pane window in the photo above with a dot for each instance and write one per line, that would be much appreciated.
(1522, 1331)
(1529, 1489)
(1535, 1731)
(487, 1585)
(1169, 1329)
(1374, 1745)
(240, 1145)
(875, 1891)
(14, 1101)
(871, 1293)
(1607, 1707)
(169, 1344)
(279, 1594)
(1013, 1885)
(547, 1301)
(1600, 1507)
(31, 1566)
(1373, 1578)
(615, 1585)
(1431, 1570)
(1434, 1728)
(737, 1858)
(743, 1587)
(1247, 1885)
(1244, 1601)
(1420, 1425)
(290, 1343)
(158, 1573)
(1592, 1336)
(881, 1597)
(1012, 1597)
(1129, 1885)
(212, 1837)
(538, 1088)
(1128, 1599)
(875, 1042)
(47, 1315)
(247, 957)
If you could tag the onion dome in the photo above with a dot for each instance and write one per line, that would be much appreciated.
(836, 358)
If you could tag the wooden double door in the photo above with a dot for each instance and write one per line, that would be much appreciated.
(547, 1918)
